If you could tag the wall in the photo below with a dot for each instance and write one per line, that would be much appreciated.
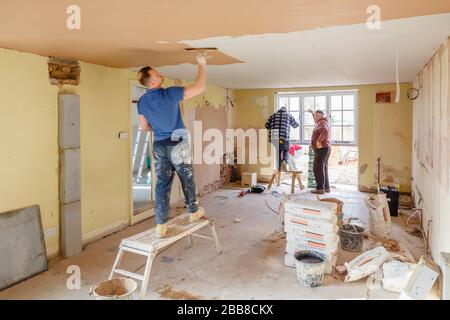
(29, 141)
(384, 130)
(431, 157)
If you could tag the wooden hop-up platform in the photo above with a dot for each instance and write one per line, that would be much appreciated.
(149, 245)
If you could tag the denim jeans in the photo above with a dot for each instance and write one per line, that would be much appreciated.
(283, 150)
(170, 157)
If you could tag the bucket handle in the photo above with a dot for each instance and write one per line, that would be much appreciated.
(353, 226)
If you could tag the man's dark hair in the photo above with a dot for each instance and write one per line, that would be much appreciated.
(144, 76)
(320, 112)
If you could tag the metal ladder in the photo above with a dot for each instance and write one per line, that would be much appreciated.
(139, 178)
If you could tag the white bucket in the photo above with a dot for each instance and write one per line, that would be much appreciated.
(115, 289)
(310, 267)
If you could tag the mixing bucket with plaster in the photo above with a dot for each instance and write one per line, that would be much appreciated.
(310, 266)
(352, 237)
(115, 289)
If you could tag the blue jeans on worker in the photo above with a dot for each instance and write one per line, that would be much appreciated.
(170, 157)
(283, 150)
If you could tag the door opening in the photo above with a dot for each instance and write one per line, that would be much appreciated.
(141, 161)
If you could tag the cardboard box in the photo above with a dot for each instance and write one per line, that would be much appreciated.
(249, 179)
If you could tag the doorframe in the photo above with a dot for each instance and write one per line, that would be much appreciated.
(148, 213)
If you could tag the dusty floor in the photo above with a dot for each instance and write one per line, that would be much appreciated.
(248, 268)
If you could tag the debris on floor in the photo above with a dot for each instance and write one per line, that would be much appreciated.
(167, 292)
(421, 281)
(396, 275)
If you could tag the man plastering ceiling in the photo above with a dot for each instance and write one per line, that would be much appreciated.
(160, 112)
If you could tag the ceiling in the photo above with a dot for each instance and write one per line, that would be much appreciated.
(260, 42)
(333, 56)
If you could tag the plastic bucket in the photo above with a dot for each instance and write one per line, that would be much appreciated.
(310, 267)
(352, 237)
(115, 289)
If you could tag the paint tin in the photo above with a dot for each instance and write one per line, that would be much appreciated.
(114, 289)
(310, 267)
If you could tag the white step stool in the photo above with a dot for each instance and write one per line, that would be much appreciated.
(147, 244)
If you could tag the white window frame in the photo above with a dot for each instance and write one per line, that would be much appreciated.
(327, 94)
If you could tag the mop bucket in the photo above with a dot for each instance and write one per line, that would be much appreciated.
(352, 237)
(310, 267)
(114, 289)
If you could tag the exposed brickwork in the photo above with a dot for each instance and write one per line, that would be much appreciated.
(62, 71)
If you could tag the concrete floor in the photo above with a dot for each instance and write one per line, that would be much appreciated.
(248, 268)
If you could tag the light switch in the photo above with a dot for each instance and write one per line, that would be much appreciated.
(123, 135)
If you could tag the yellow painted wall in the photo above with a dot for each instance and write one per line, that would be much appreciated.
(105, 159)
(29, 138)
(29, 141)
(384, 130)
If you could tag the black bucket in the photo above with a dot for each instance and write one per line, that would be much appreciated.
(352, 237)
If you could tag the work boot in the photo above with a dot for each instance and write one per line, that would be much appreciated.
(197, 215)
(283, 166)
(327, 190)
(320, 191)
(161, 230)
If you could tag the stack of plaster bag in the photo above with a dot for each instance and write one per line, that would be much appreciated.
(379, 215)
(311, 225)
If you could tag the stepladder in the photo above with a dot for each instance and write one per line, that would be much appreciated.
(149, 245)
(295, 177)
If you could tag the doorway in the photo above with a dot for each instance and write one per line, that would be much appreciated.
(141, 162)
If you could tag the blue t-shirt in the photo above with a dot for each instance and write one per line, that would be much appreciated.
(161, 109)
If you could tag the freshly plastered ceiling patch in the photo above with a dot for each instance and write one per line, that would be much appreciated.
(133, 33)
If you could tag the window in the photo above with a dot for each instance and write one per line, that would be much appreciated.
(339, 106)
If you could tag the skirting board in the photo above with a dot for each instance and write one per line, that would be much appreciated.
(104, 231)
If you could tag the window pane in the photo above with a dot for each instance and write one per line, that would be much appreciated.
(336, 133)
(308, 103)
(336, 102)
(348, 118)
(336, 117)
(295, 133)
(284, 102)
(349, 102)
(349, 134)
(307, 133)
(294, 104)
(308, 118)
(321, 102)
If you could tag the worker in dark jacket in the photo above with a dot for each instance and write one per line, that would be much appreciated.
(321, 144)
(279, 125)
